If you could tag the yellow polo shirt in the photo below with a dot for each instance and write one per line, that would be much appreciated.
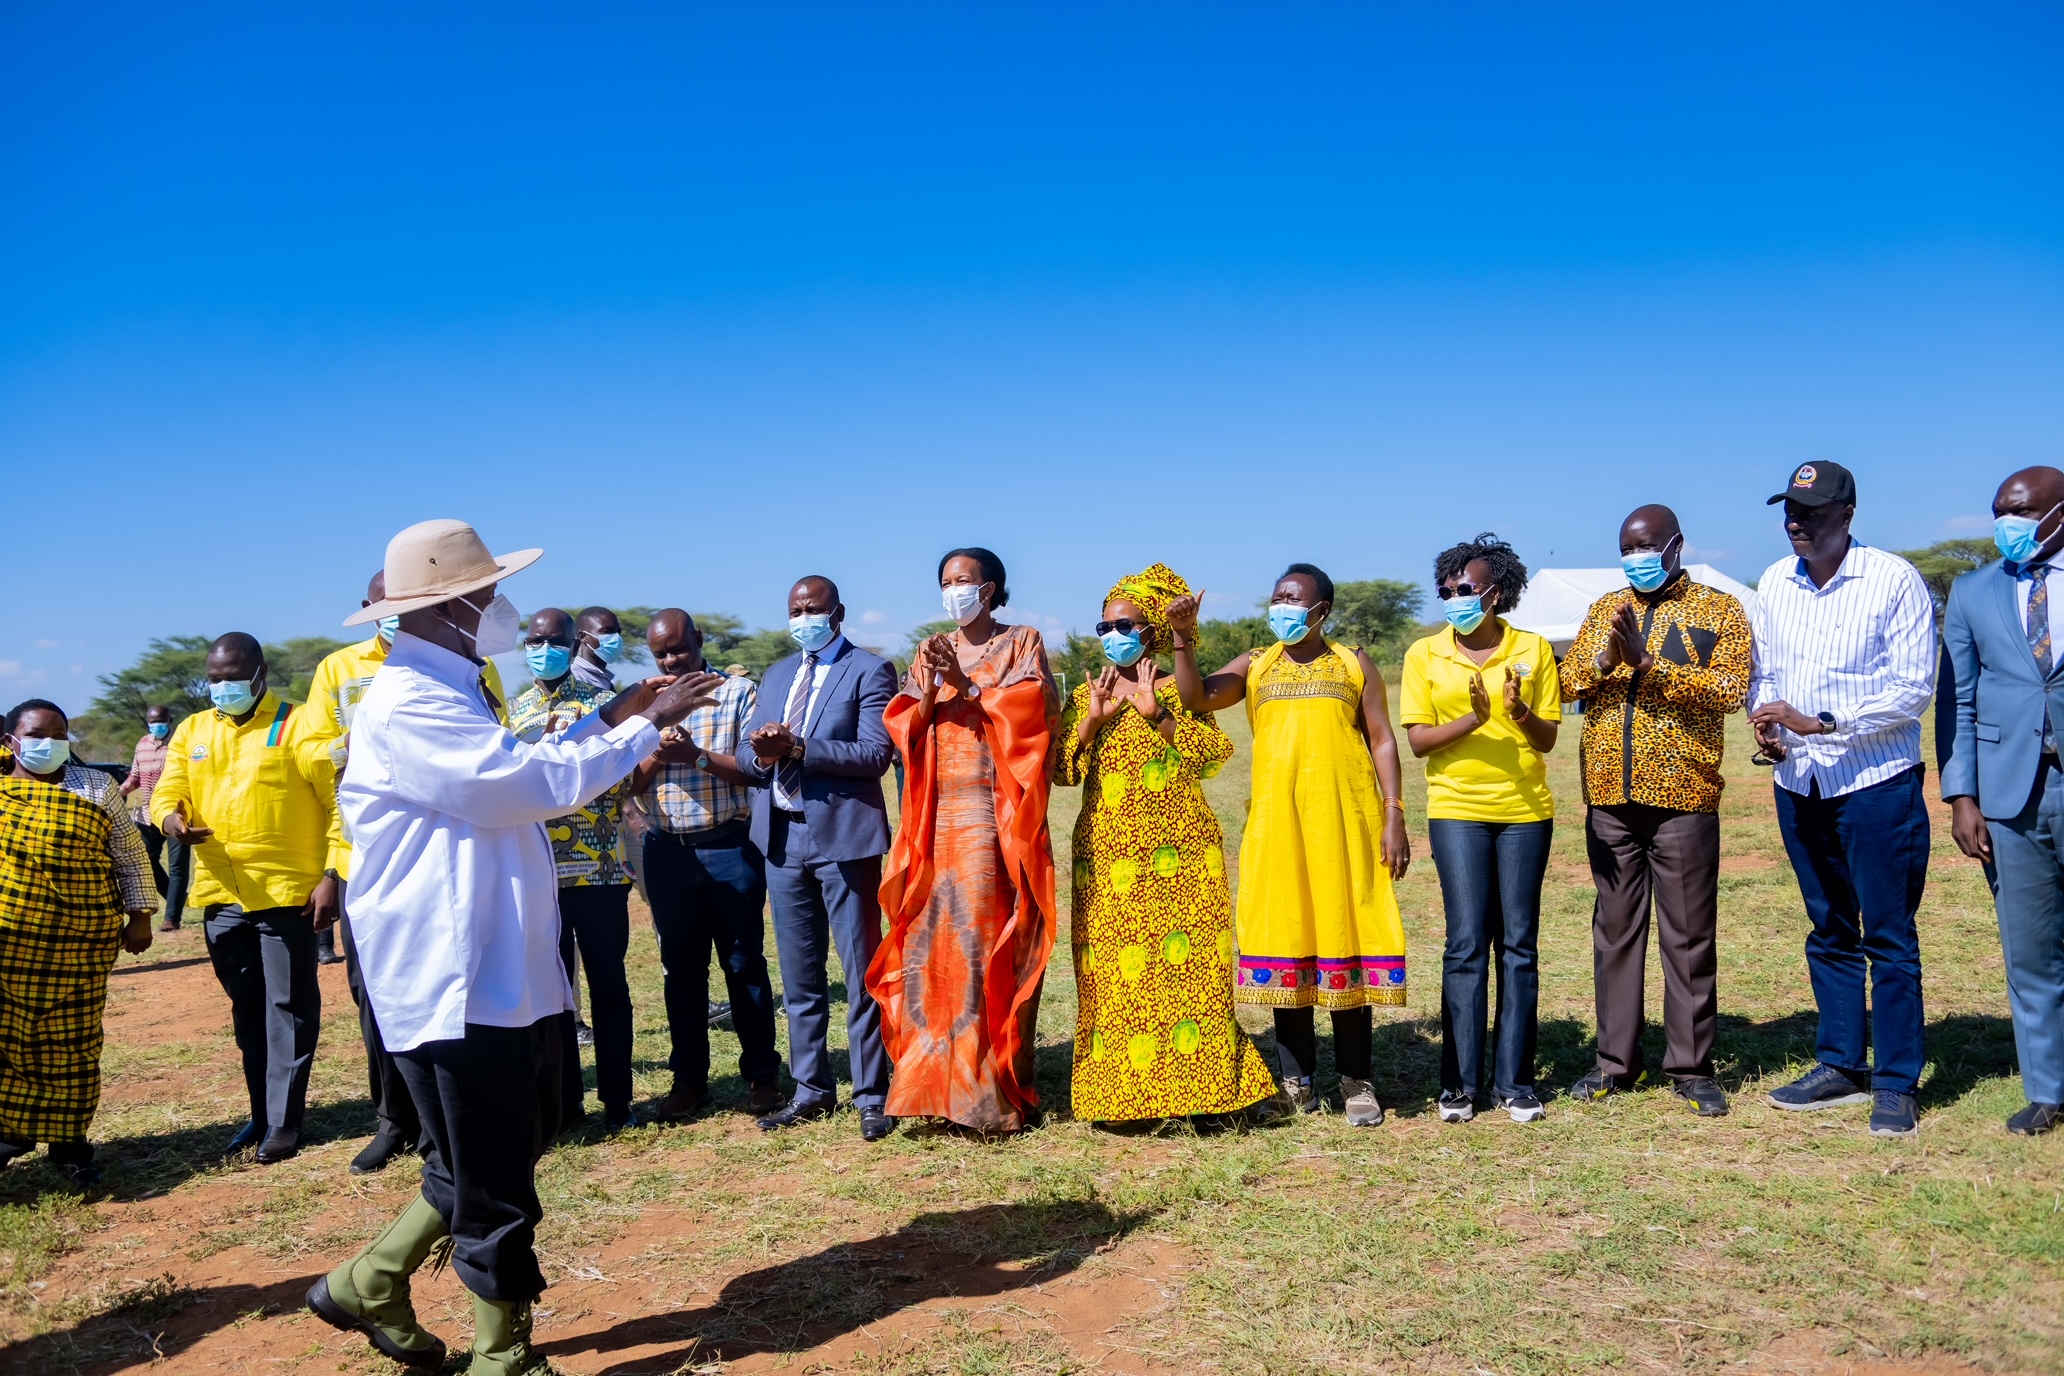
(340, 681)
(1491, 774)
(266, 788)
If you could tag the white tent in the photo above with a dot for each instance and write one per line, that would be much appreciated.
(1556, 599)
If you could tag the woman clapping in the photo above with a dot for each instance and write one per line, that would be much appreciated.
(1152, 917)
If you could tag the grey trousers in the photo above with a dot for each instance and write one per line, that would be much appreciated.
(2027, 875)
(266, 963)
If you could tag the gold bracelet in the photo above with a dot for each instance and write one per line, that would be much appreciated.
(1392, 802)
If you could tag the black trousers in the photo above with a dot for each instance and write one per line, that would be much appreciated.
(1297, 1042)
(266, 964)
(489, 1103)
(598, 918)
(171, 870)
(393, 1109)
(708, 897)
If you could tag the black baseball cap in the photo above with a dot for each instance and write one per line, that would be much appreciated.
(1817, 484)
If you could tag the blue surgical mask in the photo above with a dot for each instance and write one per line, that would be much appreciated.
(1289, 623)
(1465, 614)
(609, 648)
(811, 630)
(1645, 570)
(233, 698)
(1123, 648)
(159, 729)
(2016, 537)
(548, 661)
(390, 627)
(41, 756)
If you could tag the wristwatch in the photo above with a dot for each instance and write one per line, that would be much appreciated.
(1827, 723)
(702, 761)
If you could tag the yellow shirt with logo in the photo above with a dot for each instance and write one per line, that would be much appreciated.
(333, 695)
(1491, 774)
(266, 788)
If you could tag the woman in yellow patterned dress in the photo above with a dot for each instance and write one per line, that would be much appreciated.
(1318, 920)
(1153, 932)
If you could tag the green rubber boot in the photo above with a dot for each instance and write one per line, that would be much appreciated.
(369, 1294)
(501, 1340)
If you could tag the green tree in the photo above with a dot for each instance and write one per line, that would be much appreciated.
(1941, 564)
(1081, 657)
(1379, 614)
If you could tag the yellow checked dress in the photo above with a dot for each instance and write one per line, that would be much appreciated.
(1152, 920)
(1318, 921)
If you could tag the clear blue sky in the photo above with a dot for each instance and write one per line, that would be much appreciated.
(701, 300)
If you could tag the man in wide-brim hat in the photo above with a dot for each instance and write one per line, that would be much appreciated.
(454, 910)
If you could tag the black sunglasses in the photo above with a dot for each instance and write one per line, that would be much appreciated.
(1444, 592)
(1124, 625)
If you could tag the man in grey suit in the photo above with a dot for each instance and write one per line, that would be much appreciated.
(818, 815)
(2003, 639)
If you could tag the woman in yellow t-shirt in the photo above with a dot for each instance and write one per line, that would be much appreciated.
(1481, 705)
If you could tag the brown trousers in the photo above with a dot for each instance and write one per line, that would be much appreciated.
(1638, 853)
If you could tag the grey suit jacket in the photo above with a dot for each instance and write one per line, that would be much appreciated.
(846, 751)
(2001, 700)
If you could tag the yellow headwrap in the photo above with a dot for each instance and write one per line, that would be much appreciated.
(1151, 590)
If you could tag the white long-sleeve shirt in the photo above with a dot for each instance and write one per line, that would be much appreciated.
(1861, 649)
(454, 900)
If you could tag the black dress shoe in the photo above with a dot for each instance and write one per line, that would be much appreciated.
(620, 1118)
(377, 1154)
(789, 1115)
(2035, 1120)
(246, 1137)
(279, 1144)
(875, 1125)
(681, 1106)
(762, 1097)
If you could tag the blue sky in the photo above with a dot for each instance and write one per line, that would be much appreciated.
(704, 299)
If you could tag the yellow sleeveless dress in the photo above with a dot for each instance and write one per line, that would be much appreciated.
(1318, 921)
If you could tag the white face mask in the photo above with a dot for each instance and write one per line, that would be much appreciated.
(963, 601)
(500, 629)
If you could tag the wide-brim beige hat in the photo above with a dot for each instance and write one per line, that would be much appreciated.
(435, 561)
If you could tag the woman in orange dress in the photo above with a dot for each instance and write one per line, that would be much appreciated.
(969, 887)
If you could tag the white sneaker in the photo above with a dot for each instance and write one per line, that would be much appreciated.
(1363, 1110)
(1456, 1108)
(1523, 1106)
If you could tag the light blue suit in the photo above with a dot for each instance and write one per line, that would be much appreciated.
(1995, 755)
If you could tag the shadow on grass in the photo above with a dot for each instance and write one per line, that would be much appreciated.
(152, 967)
(147, 1324)
(144, 1167)
(801, 1304)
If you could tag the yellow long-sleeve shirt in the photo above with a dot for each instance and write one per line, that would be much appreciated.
(266, 788)
(340, 681)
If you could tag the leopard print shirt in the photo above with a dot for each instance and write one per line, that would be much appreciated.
(1655, 737)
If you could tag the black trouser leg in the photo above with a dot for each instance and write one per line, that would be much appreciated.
(1354, 1041)
(393, 1107)
(266, 964)
(490, 1106)
(1297, 1042)
(154, 842)
(598, 918)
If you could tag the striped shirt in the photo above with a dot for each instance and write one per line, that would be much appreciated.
(1861, 649)
(682, 797)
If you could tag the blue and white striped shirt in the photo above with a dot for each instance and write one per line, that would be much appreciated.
(1862, 649)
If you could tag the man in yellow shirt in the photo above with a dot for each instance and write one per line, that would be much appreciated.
(251, 790)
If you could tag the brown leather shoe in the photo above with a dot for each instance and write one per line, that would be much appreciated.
(681, 1106)
(763, 1097)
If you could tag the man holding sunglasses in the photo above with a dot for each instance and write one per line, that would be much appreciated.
(1845, 665)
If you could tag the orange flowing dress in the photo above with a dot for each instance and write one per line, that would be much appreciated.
(968, 891)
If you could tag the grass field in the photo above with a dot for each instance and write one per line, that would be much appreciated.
(1623, 1236)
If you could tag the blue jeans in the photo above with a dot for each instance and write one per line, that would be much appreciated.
(1490, 879)
(706, 897)
(1862, 862)
(2027, 877)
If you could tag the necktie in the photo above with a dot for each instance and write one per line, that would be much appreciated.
(2039, 618)
(791, 772)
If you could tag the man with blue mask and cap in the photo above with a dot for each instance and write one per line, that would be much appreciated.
(594, 891)
(1658, 665)
(818, 753)
(250, 787)
(2001, 776)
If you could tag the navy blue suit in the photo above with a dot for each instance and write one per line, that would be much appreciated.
(824, 862)
(2004, 704)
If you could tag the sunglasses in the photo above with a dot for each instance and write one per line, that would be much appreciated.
(1124, 625)
(1445, 592)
